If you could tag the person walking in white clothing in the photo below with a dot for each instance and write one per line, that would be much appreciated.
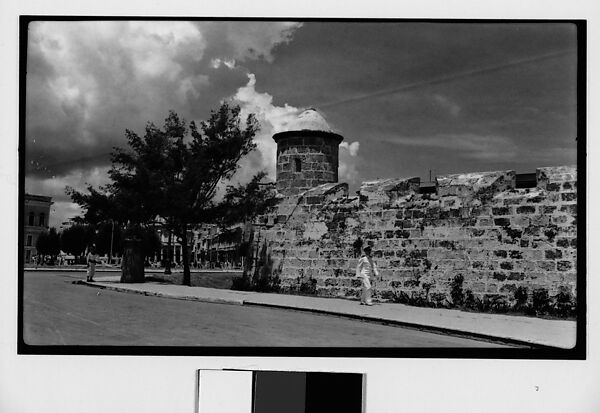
(92, 260)
(364, 270)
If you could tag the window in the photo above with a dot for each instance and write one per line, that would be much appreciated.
(31, 218)
(298, 165)
(526, 180)
(427, 188)
(42, 219)
(29, 240)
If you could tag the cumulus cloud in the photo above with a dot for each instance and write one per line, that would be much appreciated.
(352, 148)
(216, 63)
(274, 119)
(348, 171)
(89, 81)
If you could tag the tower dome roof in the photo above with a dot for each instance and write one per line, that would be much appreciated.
(310, 119)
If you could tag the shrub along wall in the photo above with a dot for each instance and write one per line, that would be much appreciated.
(477, 226)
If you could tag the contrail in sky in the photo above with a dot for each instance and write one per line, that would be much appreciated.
(449, 78)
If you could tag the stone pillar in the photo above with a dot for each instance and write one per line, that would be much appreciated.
(132, 269)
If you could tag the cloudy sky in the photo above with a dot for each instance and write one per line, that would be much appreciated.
(407, 97)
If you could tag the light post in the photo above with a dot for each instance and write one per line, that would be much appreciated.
(112, 232)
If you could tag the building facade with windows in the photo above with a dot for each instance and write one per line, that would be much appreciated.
(36, 216)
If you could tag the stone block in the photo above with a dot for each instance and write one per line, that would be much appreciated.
(568, 196)
(546, 265)
(525, 209)
(388, 191)
(501, 222)
(505, 210)
(564, 265)
(514, 275)
(540, 220)
(553, 254)
(555, 174)
(482, 185)
(485, 222)
(547, 209)
(570, 209)
(520, 221)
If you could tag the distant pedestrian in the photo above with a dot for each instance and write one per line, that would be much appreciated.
(364, 270)
(92, 260)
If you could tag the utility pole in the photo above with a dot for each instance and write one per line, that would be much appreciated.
(112, 231)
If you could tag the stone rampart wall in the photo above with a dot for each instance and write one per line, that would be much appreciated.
(477, 225)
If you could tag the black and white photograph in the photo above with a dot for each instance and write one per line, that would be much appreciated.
(302, 206)
(307, 186)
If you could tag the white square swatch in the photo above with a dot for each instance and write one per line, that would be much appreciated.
(225, 391)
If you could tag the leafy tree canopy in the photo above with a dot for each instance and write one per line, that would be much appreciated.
(244, 202)
(173, 173)
(76, 238)
(108, 233)
(48, 243)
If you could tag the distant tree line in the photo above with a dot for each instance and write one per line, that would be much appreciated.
(79, 237)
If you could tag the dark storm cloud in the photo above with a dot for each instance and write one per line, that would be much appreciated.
(89, 81)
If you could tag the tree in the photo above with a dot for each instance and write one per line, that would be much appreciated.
(48, 243)
(151, 244)
(195, 170)
(150, 241)
(109, 238)
(242, 203)
(173, 173)
(98, 204)
(76, 238)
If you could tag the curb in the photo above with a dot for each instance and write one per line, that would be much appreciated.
(410, 325)
(159, 294)
(405, 324)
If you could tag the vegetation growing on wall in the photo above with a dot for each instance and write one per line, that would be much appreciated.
(261, 277)
(539, 303)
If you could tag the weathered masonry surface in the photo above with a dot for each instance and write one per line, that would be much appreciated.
(306, 159)
(478, 225)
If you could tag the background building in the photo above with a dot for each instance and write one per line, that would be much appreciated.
(36, 217)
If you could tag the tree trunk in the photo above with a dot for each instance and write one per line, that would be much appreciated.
(132, 270)
(168, 259)
(187, 279)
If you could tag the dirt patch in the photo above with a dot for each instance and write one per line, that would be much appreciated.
(220, 280)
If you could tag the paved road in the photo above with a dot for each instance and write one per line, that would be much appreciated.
(56, 312)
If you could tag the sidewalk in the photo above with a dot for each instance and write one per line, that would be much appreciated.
(117, 269)
(530, 330)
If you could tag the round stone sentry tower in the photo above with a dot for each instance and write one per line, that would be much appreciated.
(307, 154)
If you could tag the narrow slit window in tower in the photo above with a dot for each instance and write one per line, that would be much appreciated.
(298, 165)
